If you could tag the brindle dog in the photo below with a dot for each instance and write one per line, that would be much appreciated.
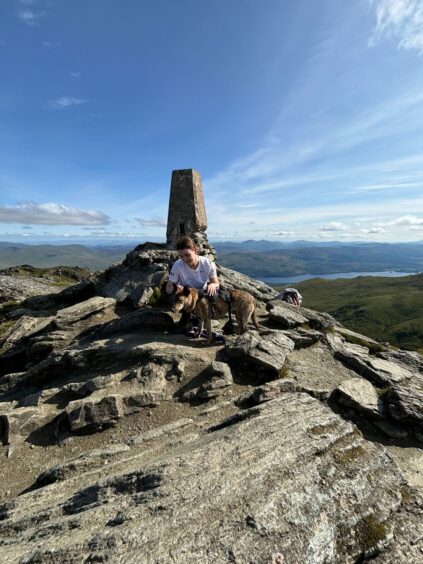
(193, 301)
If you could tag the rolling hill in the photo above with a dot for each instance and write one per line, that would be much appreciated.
(387, 309)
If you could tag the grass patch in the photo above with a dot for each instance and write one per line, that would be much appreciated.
(385, 309)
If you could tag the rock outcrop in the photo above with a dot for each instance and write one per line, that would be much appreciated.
(129, 442)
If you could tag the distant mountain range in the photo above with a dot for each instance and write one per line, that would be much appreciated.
(255, 258)
(94, 258)
(321, 259)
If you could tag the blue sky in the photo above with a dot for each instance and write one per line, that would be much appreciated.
(305, 119)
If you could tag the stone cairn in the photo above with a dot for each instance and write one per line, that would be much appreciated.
(187, 212)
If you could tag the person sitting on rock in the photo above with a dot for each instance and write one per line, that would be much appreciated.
(291, 296)
(193, 271)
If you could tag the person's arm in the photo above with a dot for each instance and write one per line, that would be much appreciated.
(213, 286)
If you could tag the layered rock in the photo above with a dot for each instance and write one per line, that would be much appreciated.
(239, 442)
(249, 491)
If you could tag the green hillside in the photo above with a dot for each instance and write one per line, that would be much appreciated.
(387, 309)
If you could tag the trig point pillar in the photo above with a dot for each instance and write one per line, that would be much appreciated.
(187, 212)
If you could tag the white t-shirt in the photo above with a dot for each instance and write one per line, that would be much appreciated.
(183, 275)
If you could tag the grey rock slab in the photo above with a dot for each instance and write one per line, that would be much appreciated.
(304, 337)
(94, 413)
(138, 401)
(218, 377)
(357, 338)
(75, 313)
(410, 360)
(288, 316)
(390, 372)
(361, 395)
(267, 392)
(150, 318)
(291, 479)
(38, 398)
(163, 430)
(76, 293)
(261, 355)
(18, 288)
(25, 328)
(378, 370)
(76, 466)
(316, 371)
(142, 268)
(16, 425)
(406, 405)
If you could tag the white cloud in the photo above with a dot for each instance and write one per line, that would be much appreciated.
(30, 17)
(386, 186)
(50, 214)
(334, 226)
(405, 220)
(153, 222)
(402, 19)
(64, 102)
(372, 231)
(75, 74)
(281, 234)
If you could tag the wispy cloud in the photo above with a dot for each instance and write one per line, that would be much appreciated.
(334, 226)
(407, 220)
(402, 19)
(153, 222)
(75, 74)
(50, 214)
(63, 103)
(387, 186)
(372, 231)
(28, 12)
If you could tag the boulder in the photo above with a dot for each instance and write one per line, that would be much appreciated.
(406, 405)
(143, 268)
(16, 425)
(218, 378)
(76, 293)
(94, 414)
(25, 328)
(267, 392)
(378, 370)
(150, 318)
(261, 355)
(75, 313)
(361, 395)
(288, 316)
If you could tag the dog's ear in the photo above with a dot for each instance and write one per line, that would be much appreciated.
(185, 291)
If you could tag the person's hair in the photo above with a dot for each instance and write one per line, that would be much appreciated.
(186, 243)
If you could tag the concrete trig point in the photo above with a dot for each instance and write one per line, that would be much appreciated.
(187, 212)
